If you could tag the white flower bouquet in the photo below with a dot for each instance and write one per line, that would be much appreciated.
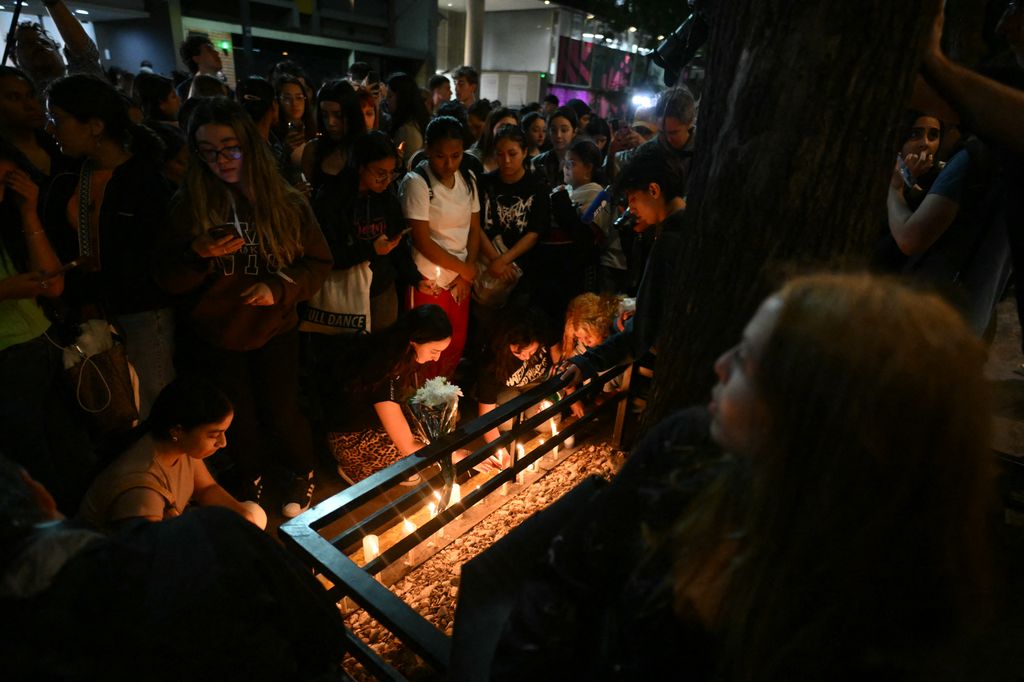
(435, 408)
(435, 411)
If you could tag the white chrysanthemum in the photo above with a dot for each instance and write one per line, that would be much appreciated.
(435, 392)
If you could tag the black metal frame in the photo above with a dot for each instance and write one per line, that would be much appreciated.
(328, 556)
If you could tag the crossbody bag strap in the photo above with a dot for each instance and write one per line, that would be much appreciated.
(88, 248)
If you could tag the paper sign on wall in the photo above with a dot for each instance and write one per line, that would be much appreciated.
(489, 86)
(516, 90)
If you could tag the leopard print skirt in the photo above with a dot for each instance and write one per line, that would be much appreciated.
(361, 453)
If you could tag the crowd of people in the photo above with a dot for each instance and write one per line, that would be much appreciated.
(242, 235)
(285, 262)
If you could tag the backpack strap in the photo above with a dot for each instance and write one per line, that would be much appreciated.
(421, 170)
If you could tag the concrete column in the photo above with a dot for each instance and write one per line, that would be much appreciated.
(177, 28)
(473, 54)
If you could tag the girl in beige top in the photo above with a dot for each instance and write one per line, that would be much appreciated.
(159, 474)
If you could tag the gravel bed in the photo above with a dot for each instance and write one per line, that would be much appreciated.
(432, 587)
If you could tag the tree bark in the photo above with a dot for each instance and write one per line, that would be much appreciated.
(795, 145)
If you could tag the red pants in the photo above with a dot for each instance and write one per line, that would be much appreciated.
(458, 315)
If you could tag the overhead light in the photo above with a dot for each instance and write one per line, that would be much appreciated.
(632, 29)
(284, 54)
(81, 11)
(449, 4)
(588, 35)
(599, 36)
(661, 37)
(643, 101)
(547, 2)
(589, 17)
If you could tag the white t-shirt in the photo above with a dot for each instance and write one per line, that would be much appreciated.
(449, 215)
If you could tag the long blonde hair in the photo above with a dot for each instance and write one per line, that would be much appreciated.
(204, 202)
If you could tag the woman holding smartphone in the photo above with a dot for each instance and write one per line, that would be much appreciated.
(363, 222)
(247, 249)
(42, 431)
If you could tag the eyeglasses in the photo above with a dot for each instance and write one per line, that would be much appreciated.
(382, 175)
(209, 155)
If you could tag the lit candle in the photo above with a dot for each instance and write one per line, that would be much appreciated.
(408, 528)
(371, 548)
(520, 450)
(456, 493)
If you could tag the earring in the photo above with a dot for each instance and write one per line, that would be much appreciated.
(174, 439)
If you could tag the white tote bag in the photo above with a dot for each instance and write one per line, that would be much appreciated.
(343, 303)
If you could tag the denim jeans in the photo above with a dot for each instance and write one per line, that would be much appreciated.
(150, 347)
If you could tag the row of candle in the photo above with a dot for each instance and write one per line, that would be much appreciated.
(371, 543)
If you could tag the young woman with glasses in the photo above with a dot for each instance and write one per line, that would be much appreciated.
(363, 222)
(296, 121)
(247, 249)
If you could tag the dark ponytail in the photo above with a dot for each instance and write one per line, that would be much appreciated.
(587, 152)
(87, 97)
(449, 128)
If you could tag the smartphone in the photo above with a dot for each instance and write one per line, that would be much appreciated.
(62, 269)
(221, 231)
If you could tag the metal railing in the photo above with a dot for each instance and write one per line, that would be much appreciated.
(329, 556)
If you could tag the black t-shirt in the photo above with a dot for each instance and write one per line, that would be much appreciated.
(534, 370)
(512, 210)
(347, 393)
(351, 222)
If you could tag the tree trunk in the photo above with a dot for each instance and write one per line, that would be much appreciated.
(795, 145)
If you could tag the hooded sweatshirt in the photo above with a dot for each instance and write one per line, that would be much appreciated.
(215, 308)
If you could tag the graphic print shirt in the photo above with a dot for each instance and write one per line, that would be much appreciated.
(514, 209)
